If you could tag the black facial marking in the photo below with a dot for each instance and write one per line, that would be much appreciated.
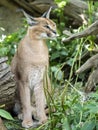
(47, 26)
(50, 29)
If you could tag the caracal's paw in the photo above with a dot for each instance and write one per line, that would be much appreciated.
(20, 116)
(27, 124)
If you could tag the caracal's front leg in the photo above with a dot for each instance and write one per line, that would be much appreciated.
(26, 104)
(40, 102)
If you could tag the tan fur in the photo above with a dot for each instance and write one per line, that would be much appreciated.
(29, 65)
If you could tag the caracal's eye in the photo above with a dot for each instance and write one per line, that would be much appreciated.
(46, 26)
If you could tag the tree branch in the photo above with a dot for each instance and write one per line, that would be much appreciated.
(91, 30)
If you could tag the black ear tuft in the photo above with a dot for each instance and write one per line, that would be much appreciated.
(47, 13)
(30, 20)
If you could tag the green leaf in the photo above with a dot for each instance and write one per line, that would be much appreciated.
(96, 125)
(74, 128)
(55, 55)
(70, 61)
(64, 53)
(65, 125)
(59, 75)
(5, 115)
(90, 125)
(54, 68)
(94, 95)
(92, 108)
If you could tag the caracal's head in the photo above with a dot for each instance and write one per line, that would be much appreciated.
(42, 27)
(45, 29)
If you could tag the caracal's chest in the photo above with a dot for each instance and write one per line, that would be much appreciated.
(35, 52)
(36, 75)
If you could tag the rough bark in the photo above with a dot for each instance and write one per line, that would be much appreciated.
(92, 81)
(75, 9)
(90, 63)
(7, 85)
(93, 77)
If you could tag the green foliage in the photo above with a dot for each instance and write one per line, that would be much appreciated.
(76, 112)
(5, 115)
(8, 44)
(61, 3)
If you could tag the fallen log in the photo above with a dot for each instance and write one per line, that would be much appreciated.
(7, 85)
(92, 81)
(93, 77)
(74, 9)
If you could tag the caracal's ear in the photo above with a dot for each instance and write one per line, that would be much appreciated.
(47, 13)
(30, 20)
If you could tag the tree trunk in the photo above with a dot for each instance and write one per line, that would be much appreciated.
(7, 85)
